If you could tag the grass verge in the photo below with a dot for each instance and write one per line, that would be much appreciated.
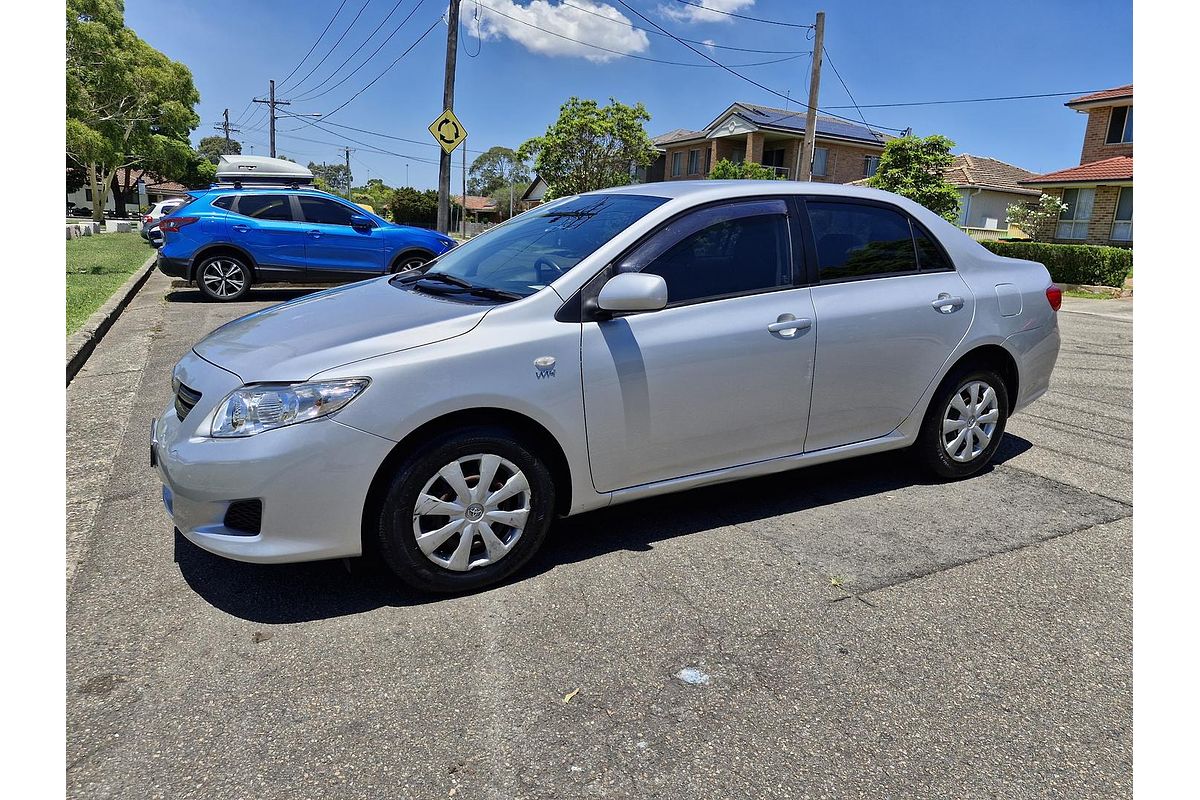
(96, 267)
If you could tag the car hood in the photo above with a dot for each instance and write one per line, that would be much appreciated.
(296, 340)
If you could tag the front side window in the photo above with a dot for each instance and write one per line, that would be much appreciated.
(1120, 125)
(321, 211)
(676, 164)
(535, 248)
(1074, 219)
(861, 241)
(1122, 230)
(724, 250)
(276, 207)
(820, 165)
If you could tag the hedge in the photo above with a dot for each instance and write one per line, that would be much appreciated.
(1089, 264)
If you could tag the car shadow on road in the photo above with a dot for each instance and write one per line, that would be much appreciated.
(268, 295)
(286, 593)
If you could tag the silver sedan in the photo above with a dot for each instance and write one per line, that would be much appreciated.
(598, 349)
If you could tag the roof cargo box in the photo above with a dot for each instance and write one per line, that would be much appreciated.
(262, 170)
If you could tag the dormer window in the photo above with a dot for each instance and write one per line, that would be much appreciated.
(1120, 126)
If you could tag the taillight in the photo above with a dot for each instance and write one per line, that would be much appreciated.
(173, 224)
(146, 220)
(1054, 296)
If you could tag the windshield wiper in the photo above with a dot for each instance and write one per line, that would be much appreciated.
(495, 294)
(467, 287)
(442, 277)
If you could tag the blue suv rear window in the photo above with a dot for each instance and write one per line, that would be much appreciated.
(266, 206)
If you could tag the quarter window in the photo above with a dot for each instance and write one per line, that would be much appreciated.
(732, 249)
(266, 206)
(320, 211)
(860, 241)
(224, 201)
(1074, 219)
(1120, 125)
(1122, 230)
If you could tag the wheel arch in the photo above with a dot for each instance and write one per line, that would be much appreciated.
(408, 251)
(530, 431)
(994, 357)
(222, 248)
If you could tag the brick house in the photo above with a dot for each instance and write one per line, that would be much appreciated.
(1098, 192)
(845, 151)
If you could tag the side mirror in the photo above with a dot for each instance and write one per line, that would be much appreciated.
(360, 221)
(633, 291)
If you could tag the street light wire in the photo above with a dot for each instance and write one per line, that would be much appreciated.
(335, 45)
(314, 45)
(307, 94)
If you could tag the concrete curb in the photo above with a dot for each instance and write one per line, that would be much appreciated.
(84, 341)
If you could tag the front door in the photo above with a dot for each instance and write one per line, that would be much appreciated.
(890, 310)
(721, 376)
(335, 249)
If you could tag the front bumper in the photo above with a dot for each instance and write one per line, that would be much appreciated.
(312, 478)
(172, 267)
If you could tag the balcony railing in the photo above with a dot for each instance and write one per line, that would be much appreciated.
(781, 172)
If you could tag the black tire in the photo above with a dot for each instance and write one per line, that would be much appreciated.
(410, 260)
(930, 448)
(395, 528)
(218, 277)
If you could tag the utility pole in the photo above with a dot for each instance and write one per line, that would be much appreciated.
(349, 182)
(464, 194)
(804, 159)
(271, 103)
(444, 165)
(224, 126)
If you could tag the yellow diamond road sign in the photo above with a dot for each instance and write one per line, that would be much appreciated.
(448, 131)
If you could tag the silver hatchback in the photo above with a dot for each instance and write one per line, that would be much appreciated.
(598, 349)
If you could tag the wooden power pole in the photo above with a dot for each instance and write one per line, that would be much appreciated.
(445, 164)
(804, 158)
(271, 103)
(349, 182)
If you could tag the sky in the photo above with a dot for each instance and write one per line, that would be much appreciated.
(514, 73)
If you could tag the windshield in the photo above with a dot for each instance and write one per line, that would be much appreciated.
(535, 248)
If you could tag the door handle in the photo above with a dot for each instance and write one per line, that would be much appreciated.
(945, 304)
(788, 325)
(241, 228)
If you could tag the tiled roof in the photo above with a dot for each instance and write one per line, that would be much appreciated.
(987, 173)
(1107, 94)
(476, 202)
(1110, 170)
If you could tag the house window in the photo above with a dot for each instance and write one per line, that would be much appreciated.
(1073, 222)
(676, 164)
(870, 164)
(773, 158)
(1122, 230)
(1120, 125)
(820, 161)
(87, 193)
(693, 162)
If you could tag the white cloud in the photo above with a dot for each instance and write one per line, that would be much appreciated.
(690, 13)
(534, 25)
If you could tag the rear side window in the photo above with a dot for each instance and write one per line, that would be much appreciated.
(265, 206)
(930, 256)
(732, 249)
(860, 241)
(320, 211)
(225, 201)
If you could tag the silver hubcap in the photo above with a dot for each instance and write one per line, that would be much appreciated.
(472, 512)
(969, 421)
(223, 277)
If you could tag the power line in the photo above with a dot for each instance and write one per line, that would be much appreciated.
(335, 45)
(314, 45)
(389, 136)
(693, 41)
(742, 16)
(370, 147)
(847, 88)
(971, 100)
(631, 55)
(308, 93)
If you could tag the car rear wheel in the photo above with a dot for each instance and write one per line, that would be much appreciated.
(223, 278)
(465, 512)
(964, 424)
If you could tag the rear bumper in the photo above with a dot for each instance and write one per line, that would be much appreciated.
(1036, 353)
(173, 267)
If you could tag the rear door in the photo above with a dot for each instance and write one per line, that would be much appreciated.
(267, 227)
(335, 249)
(890, 309)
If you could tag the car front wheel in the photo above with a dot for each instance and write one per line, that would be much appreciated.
(466, 512)
(223, 278)
(964, 424)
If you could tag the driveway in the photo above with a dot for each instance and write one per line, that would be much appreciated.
(852, 630)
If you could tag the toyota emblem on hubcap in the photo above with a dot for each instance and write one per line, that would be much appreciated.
(474, 512)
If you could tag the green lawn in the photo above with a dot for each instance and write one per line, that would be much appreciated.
(96, 267)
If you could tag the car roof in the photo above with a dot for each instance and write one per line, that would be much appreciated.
(741, 188)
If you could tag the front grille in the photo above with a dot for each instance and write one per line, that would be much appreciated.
(244, 516)
(185, 400)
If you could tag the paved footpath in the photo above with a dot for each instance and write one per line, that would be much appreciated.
(856, 631)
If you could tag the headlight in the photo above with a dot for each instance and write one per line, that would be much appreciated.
(258, 408)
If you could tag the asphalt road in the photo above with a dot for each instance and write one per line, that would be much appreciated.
(851, 630)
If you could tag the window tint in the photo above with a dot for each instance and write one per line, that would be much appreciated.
(265, 206)
(225, 202)
(855, 241)
(738, 251)
(931, 257)
(324, 212)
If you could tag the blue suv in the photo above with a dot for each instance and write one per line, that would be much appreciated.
(228, 238)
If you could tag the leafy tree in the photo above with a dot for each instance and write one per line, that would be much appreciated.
(127, 103)
(747, 170)
(591, 147)
(213, 147)
(377, 194)
(1037, 221)
(501, 197)
(496, 168)
(333, 177)
(914, 167)
(413, 207)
